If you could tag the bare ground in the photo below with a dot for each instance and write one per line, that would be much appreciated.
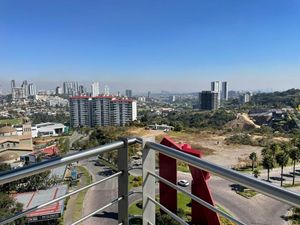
(213, 145)
(222, 154)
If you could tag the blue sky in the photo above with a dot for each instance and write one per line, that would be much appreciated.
(173, 45)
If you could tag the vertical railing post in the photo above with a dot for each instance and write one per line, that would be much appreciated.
(148, 184)
(123, 183)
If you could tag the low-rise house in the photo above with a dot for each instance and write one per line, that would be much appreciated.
(47, 215)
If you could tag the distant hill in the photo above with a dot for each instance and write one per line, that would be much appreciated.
(278, 99)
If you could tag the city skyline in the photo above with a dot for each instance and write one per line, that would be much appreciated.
(142, 45)
(141, 88)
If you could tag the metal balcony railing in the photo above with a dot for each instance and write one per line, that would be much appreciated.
(149, 148)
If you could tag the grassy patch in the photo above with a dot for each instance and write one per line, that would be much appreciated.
(136, 221)
(84, 180)
(243, 191)
(293, 217)
(247, 169)
(183, 203)
(247, 193)
(183, 167)
(225, 221)
(296, 216)
(135, 181)
(291, 185)
(11, 121)
(136, 208)
(108, 164)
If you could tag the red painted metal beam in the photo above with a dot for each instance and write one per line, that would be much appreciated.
(168, 196)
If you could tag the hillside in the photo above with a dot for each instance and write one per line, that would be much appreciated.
(242, 121)
(278, 99)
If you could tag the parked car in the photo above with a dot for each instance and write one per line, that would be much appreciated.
(183, 183)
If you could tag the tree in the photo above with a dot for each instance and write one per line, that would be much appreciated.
(274, 149)
(103, 136)
(178, 126)
(8, 186)
(64, 145)
(282, 159)
(285, 147)
(163, 219)
(10, 207)
(44, 117)
(4, 167)
(265, 151)
(295, 142)
(32, 183)
(268, 163)
(253, 158)
(295, 156)
(36, 182)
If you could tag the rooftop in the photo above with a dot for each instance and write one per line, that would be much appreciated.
(7, 129)
(33, 199)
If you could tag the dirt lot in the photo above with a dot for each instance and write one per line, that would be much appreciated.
(215, 149)
(222, 154)
(142, 132)
(228, 155)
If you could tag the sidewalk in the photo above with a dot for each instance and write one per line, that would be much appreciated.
(74, 206)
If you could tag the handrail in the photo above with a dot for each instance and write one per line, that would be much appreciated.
(19, 173)
(195, 198)
(283, 195)
(115, 201)
(21, 214)
(174, 216)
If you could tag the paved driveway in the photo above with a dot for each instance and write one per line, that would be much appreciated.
(102, 194)
(259, 210)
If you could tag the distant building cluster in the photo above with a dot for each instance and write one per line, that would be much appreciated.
(128, 93)
(86, 111)
(213, 99)
(27, 92)
(22, 92)
(221, 88)
(54, 101)
(71, 88)
(245, 97)
(209, 100)
(95, 89)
